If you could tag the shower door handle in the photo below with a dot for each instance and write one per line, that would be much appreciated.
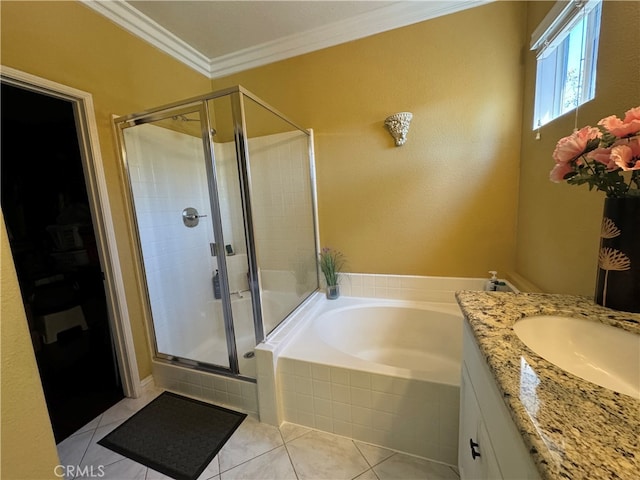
(194, 217)
(191, 217)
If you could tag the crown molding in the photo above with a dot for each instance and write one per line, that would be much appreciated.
(135, 22)
(386, 18)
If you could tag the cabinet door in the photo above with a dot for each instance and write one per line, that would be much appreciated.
(489, 464)
(473, 437)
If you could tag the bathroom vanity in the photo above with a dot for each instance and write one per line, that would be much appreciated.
(523, 417)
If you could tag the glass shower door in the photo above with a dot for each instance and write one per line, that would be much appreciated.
(221, 190)
(283, 210)
(175, 200)
(236, 251)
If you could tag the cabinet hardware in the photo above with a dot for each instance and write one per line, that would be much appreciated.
(473, 446)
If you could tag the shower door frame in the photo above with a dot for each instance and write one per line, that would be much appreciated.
(121, 124)
(96, 185)
(242, 153)
(200, 104)
(242, 149)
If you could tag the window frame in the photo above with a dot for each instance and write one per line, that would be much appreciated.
(553, 40)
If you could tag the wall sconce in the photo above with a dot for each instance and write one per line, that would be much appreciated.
(398, 125)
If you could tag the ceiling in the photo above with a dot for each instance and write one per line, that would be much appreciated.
(218, 38)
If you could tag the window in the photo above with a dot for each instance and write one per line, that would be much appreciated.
(566, 44)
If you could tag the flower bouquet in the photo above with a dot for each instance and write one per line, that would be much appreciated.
(607, 158)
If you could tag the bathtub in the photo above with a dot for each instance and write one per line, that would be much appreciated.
(405, 339)
(385, 371)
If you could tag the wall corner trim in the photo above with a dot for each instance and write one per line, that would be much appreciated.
(376, 21)
(389, 17)
(135, 22)
(522, 284)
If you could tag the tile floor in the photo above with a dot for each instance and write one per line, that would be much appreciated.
(255, 451)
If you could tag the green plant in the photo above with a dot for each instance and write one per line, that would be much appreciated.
(331, 262)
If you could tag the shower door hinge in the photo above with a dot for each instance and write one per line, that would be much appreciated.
(214, 250)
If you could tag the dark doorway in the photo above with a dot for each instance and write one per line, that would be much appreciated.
(46, 210)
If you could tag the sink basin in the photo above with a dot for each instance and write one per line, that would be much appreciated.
(599, 353)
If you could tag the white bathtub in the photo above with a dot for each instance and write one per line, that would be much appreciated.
(383, 371)
(381, 364)
(406, 339)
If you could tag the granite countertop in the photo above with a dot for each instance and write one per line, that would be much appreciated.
(573, 428)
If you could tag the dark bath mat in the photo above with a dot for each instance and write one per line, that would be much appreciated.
(174, 435)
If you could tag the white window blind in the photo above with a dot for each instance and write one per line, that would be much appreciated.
(566, 44)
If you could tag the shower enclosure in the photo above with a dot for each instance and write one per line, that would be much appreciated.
(222, 193)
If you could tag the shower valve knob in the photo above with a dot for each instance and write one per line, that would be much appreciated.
(191, 217)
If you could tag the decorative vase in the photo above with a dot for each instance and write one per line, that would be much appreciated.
(333, 292)
(618, 282)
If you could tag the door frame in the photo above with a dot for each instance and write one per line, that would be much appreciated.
(91, 158)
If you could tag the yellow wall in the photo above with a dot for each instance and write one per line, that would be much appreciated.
(25, 422)
(559, 224)
(445, 202)
(70, 44)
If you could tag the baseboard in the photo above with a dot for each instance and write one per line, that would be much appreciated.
(522, 283)
(147, 382)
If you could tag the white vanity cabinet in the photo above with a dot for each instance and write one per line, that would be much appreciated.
(490, 446)
(476, 458)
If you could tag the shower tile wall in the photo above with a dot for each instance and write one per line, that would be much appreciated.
(281, 193)
(230, 204)
(168, 174)
(279, 167)
(167, 170)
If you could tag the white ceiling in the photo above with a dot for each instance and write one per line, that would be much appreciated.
(218, 38)
(223, 27)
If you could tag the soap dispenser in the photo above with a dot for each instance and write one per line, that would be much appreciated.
(491, 285)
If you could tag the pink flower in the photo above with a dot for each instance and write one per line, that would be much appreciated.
(623, 128)
(603, 155)
(633, 114)
(570, 148)
(627, 156)
(559, 171)
(600, 156)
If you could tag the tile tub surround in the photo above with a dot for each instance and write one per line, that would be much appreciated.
(397, 287)
(417, 417)
(573, 428)
(226, 391)
(412, 416)
(409, 287)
